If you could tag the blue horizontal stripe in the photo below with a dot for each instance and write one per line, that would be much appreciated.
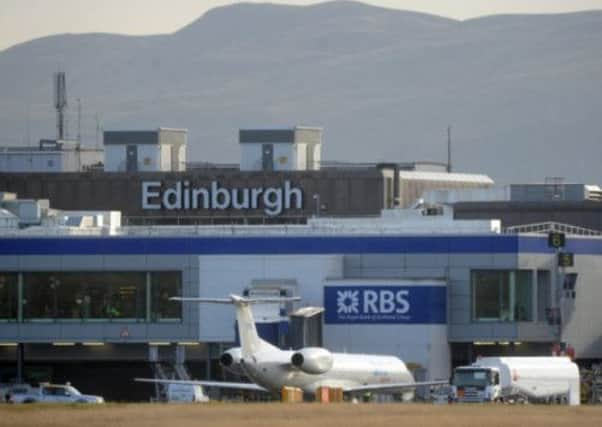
(118, 245)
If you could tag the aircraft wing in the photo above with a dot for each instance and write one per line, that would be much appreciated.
(392, 387)
(236, 298)
(218, 384)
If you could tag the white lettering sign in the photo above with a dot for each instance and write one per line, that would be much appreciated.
(182, 196)
(147, 194)
(386, 302)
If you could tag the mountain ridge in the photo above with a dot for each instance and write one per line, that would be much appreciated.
(510, 86)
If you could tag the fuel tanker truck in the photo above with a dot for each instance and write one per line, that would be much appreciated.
(532, 379)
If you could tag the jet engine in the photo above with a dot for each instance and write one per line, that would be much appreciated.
(312, 360)
(230, 360)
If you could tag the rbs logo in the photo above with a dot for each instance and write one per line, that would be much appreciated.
(381, 304)
(386, 302)
(373, 301)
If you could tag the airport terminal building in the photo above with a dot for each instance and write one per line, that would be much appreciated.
(280, 179)
(86, 276)
(93, 302)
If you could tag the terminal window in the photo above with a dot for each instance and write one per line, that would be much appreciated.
(8, 296)
(502, 295)
(84, 295)
(95, 296)
(166, 284)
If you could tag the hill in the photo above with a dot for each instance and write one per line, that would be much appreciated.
(522, 92)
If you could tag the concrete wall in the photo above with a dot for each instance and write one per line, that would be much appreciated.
(178, 158)
(154, 150)
(176, 140)
(149, 158)
(114, 160)
(317, 157)
(284, 156)
(165, 158)
(177, 137)
(48, 161)
(32, 161)
(308, 135)
(249, 158)
(292, 148)
(582, 316)
(220, 275)
(412, 189)
(301, 157)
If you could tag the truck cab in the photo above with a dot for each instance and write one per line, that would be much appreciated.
(476, 384)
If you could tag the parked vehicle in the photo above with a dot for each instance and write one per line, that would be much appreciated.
(534, 379)
(51, 393)
(442, 395)
(15, 390)
(185, 393)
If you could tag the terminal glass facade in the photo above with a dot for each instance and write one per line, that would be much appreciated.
(165, 284)
(84, 295)
(91, 296)
(8, 296)
(502, 295)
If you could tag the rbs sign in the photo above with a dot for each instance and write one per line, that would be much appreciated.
(384, 304)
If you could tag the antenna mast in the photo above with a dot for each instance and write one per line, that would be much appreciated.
(79, 121)
(98, 129)
(60, 102)
(449, 166)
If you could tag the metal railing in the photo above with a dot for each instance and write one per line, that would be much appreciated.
(158, 220)
(549, 226)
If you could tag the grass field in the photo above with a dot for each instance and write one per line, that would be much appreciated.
(297, 415)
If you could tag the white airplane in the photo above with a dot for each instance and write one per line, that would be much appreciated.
(270, 368)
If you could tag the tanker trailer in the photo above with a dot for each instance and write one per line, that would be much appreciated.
(535, 379)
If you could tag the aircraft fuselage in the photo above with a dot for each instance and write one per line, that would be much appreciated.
(273, 370)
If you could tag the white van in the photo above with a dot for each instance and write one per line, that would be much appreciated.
(185, 393)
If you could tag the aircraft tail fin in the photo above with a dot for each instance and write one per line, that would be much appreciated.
(249, 339)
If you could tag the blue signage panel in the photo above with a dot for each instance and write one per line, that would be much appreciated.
(385, 304)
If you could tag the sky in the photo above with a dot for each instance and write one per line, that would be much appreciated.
(22, 20)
